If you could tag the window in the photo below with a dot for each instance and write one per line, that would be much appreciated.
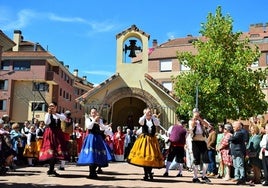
(266, 58)
(166, 65)
(40, 86)
(5, 65)
(3, 105)
(167, 85)
(38, 106)
(3, 84)
(263, 84)
(21, 65)
(255, 64)
(183, 66)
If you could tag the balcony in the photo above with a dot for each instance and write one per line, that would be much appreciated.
(52, 76)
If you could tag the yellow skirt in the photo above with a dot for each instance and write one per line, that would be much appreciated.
(146, 152)
(30, 151)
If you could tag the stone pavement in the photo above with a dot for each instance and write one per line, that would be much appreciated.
(118, 174)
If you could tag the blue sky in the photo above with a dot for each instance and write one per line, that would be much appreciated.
(81, 33)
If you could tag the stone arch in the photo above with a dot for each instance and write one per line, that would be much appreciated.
(127, 102)
(131, 92)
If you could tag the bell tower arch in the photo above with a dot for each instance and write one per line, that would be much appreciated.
(129, 41)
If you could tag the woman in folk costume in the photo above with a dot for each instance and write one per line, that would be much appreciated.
(53, 147)
(39, 136)
(30, 150)
(95, 152)
(67, 129)
(119, 140)
(79, 137)
(146, 151)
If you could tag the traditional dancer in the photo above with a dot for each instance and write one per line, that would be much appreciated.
(53, 146)
(146, 151)
(30, 150)
(95, 152)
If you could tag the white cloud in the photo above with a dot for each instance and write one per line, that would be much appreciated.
(54, 17)
(26, 17)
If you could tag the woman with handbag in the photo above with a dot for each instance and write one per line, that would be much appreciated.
(253, 149)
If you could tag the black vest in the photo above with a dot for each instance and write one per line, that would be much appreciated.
(145, 129)
(54, 123)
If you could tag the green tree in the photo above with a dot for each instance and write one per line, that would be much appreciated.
(227, 87)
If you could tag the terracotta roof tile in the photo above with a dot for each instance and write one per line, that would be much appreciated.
(97, 88)
(132, 28)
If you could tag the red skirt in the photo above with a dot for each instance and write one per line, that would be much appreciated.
(54, 145)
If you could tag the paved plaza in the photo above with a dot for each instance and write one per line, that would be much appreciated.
(118, 174)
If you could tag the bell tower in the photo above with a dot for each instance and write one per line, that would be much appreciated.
(132, 52)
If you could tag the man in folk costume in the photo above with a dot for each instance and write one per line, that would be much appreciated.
(146, 151)
(177, 138)
(197, 127)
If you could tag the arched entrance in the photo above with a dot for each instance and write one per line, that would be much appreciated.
(126, 112)
(126, 106)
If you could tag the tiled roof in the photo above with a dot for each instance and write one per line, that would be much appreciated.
(161, 87)
(27, 54)
(132, 28)
(97, 88)
(170, 52)
(6, 42)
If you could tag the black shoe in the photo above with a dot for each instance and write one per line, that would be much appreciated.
(265, 183)
(61, 168)
(151, 176)
(165, 174)
(52, 173)
(92, 176)
(179, 175)
(205, 178)
(145, 178)
(196, 180)
(99, 171)
(3, 171)
(241, 182)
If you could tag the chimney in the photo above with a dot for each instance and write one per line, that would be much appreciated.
(75, 73)
(17, 38)
(67, 66)
(84, 77)
(155, 43)
(35, 46)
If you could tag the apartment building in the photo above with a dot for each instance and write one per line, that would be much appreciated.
(32, 77)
